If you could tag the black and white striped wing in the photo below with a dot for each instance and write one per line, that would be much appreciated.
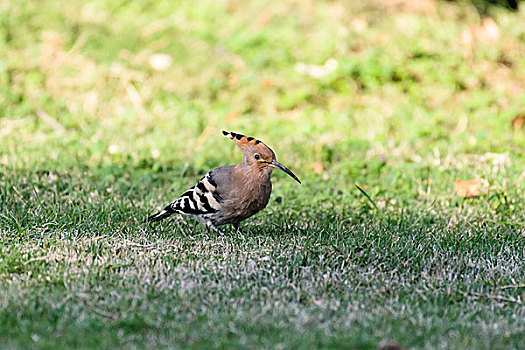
(201, 200)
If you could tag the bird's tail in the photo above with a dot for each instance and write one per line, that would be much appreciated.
(164, 213)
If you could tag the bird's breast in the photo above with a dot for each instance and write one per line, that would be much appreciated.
(251, 196)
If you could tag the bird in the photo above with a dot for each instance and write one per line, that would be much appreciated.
(230, 194)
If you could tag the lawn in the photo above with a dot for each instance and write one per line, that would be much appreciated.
(109, 110)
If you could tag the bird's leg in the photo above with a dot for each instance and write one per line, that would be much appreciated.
(214, 228)
(238, 230)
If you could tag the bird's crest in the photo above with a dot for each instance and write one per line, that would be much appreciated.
(241, 140)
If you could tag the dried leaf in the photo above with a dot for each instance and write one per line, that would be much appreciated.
(267, 83)
(318, 167)
(467, 188)
(518, 122)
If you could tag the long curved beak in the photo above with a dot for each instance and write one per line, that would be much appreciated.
(276, 164)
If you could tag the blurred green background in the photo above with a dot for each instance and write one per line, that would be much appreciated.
(332, 82)
(110, 109)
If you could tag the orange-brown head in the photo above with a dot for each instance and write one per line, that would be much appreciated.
(257, 153)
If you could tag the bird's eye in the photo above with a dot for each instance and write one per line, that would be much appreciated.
(257, 157)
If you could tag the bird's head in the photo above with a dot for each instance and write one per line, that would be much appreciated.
(257, 153)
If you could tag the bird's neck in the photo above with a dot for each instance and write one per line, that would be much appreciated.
(255, 172)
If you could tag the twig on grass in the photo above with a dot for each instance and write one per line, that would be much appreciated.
(40, 258)
(515, 286)
(104, 313)
(94, 239)
(138, 245)
(494, 297)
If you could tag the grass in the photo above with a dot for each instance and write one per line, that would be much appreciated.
(374, 248)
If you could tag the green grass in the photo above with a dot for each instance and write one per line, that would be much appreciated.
(375, 249)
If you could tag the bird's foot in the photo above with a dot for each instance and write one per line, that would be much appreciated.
(237, 230)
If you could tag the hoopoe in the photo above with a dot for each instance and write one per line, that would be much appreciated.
(232, 193)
